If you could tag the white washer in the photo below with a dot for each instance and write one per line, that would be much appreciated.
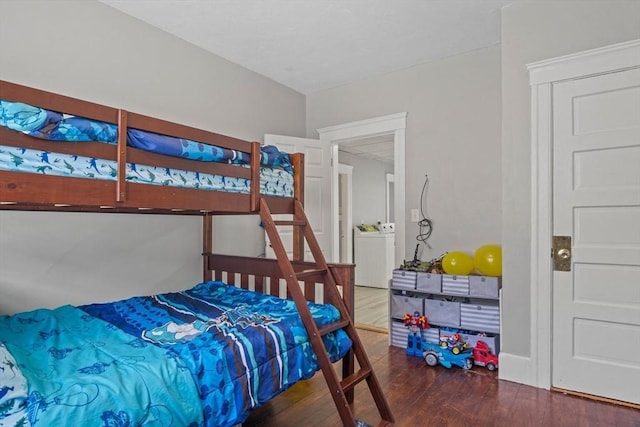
(374, 258)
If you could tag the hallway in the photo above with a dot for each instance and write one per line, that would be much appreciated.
(372, 307)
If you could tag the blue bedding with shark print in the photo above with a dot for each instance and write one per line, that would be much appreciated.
(204, 356)
(54, 126)
(273, 181)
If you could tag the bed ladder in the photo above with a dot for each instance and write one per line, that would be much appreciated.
(339, 389)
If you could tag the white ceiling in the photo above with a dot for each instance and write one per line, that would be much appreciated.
(312, 45)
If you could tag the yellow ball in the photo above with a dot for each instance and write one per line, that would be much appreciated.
(457, 263)
(488, 260)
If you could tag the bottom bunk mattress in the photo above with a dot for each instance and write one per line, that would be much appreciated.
(204, 356)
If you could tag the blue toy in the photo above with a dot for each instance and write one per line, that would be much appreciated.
(434, 354)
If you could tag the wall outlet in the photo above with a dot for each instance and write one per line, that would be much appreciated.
(415, 215)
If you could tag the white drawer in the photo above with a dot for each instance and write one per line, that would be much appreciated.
(403, 279)
(455, 285)
(443, 313)
(479, 317)
(484, 287)
(402, 304)
(400, 333)
(429, 282)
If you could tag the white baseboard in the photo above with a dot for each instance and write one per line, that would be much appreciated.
(518, 369)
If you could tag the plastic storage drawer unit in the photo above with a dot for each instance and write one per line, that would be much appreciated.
(429, 282)
(484, 287)
(455, 285)
(403, 304)
(480, 317)
(443, 313)
(403, 279)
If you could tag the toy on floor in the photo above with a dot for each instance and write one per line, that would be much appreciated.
(449, 356)
(454, 343)
(416, 322)
(482, 356)
(434, 354)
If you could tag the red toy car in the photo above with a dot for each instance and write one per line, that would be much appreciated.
(482, 356)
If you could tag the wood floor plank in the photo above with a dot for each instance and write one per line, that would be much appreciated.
(435, 396)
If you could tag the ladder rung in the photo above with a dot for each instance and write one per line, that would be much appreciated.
(311, 273)
(289, 222)
(332, 327)
(341, 391)
(351, 381)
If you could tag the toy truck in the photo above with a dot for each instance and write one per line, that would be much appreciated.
(447, 356)
(482, 356)
(434, 354)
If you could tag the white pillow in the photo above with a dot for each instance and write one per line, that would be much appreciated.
(13, 391)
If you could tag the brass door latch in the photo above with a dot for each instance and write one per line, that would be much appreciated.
(561, 253)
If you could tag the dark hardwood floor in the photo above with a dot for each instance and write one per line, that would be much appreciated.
(423, 396)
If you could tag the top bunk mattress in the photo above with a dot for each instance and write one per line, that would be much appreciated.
(276, 171)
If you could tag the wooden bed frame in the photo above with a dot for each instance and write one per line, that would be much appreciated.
(37, 192)
(30, 191)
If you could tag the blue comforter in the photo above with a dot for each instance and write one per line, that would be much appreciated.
(205, 356)
(51, 125)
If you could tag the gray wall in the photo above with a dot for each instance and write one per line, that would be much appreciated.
(469, 128)
(453, 135)
(533, 31)
(88, 50)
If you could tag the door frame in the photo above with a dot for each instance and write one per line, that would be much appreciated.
(347, 214)
(393, 124)
(542, 76)
(390, 179)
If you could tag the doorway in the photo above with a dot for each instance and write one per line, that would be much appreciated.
(393, 125)
(371, 303)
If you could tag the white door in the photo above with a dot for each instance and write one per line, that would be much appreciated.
(596, 201)
(317, 191)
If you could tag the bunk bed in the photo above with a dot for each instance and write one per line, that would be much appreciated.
(207, 355)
